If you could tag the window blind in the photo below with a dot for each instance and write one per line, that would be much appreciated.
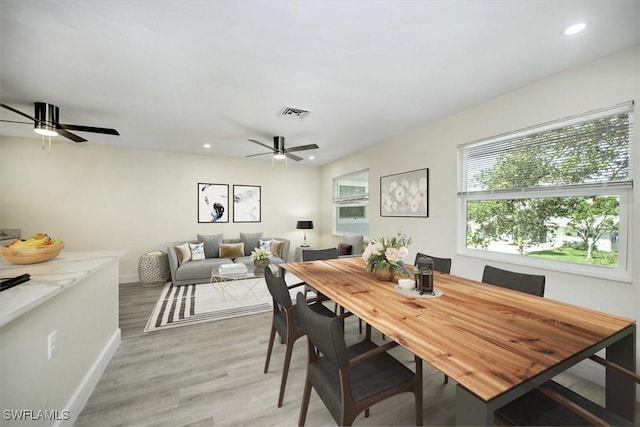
(594, 149)
(351, 188)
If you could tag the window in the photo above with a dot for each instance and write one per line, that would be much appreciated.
(556, 195)
(351, 203)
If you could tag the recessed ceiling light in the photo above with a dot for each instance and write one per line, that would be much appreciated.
(312, 157)
(575, 29)
(207, 145)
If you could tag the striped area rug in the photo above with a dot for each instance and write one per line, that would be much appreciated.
(206, 302)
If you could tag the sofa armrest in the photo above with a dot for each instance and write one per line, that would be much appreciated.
(173, 257)
(285, 250)
(173, 261)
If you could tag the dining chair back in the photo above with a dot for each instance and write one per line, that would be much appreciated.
(319, 254)
(285, 322)
(350, 379)
(442, 265)
(529, 283)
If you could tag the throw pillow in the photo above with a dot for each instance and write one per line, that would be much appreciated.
(197, 251)
(211, 244)
(265, 244)
(344, 249)
(251, 241)
(231, 250)
(276, 247)
(183, 252)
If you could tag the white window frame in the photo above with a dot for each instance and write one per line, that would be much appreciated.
(358, 200)
(624, 190)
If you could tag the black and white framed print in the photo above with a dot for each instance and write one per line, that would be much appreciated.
(213, 202)
(246, 203)
(405, 194)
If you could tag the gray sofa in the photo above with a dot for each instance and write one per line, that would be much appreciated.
(193, 272)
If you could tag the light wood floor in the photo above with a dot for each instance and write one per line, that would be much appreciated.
(212, 375)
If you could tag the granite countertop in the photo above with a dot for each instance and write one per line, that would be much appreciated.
(47, 280)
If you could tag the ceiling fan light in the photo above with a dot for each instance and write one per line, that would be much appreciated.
(575, 29)
(279, 156)
(45, 129)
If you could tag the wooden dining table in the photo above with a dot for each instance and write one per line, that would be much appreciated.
(495, 343)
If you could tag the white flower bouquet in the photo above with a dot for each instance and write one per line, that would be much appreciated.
(387, 253)
(260, 253)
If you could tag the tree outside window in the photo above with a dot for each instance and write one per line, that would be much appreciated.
(553, 192)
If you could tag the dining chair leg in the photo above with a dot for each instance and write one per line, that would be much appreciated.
(285, 371)
(269, 349)
(306, 395)
(418, 393)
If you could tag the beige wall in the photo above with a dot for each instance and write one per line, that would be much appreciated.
(103, 198)
(606, 82)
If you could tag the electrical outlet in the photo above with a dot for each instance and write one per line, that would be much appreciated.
(52, 344)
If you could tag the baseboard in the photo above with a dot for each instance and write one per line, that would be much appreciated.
(131, 278)
(88, 383)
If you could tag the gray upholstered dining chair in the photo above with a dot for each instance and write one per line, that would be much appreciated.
(285, 322)
(442, 265)
(528, 283)
(319, 254)
(349, 380)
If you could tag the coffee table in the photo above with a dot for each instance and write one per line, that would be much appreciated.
(238, 286)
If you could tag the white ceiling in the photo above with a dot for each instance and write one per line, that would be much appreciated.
(173, 75)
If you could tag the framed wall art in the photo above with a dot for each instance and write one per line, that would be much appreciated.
(246, 203)
(213, 202)
(405, 194)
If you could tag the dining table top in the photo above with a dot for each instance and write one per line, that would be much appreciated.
(487, 338)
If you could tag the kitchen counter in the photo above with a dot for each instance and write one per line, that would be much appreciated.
(47, 280)
(58, 332)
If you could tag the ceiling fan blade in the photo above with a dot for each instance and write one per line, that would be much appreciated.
(302, 147)
(18, 112)
(264, 145)
(89, 129)
(69, 135)
(292, 156)
(260, 154)
(15, 121)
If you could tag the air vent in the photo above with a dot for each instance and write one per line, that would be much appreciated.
(293, 113)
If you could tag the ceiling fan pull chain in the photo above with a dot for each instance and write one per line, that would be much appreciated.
(49, 143)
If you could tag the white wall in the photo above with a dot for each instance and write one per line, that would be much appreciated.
(606, 82)
(102, 198)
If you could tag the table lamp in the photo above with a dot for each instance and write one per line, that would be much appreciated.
(305, 225)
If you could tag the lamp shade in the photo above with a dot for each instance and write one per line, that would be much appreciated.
(304, 225)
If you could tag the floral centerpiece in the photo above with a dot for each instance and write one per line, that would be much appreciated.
(260, 258)
(260, 253)
(385, 255)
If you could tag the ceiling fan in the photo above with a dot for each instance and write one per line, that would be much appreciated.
(46, 122)
(280, 152)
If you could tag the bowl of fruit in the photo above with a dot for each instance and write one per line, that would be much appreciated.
(39, 248)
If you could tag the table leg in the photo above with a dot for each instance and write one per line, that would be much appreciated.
(620, 390)
(471, 410)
